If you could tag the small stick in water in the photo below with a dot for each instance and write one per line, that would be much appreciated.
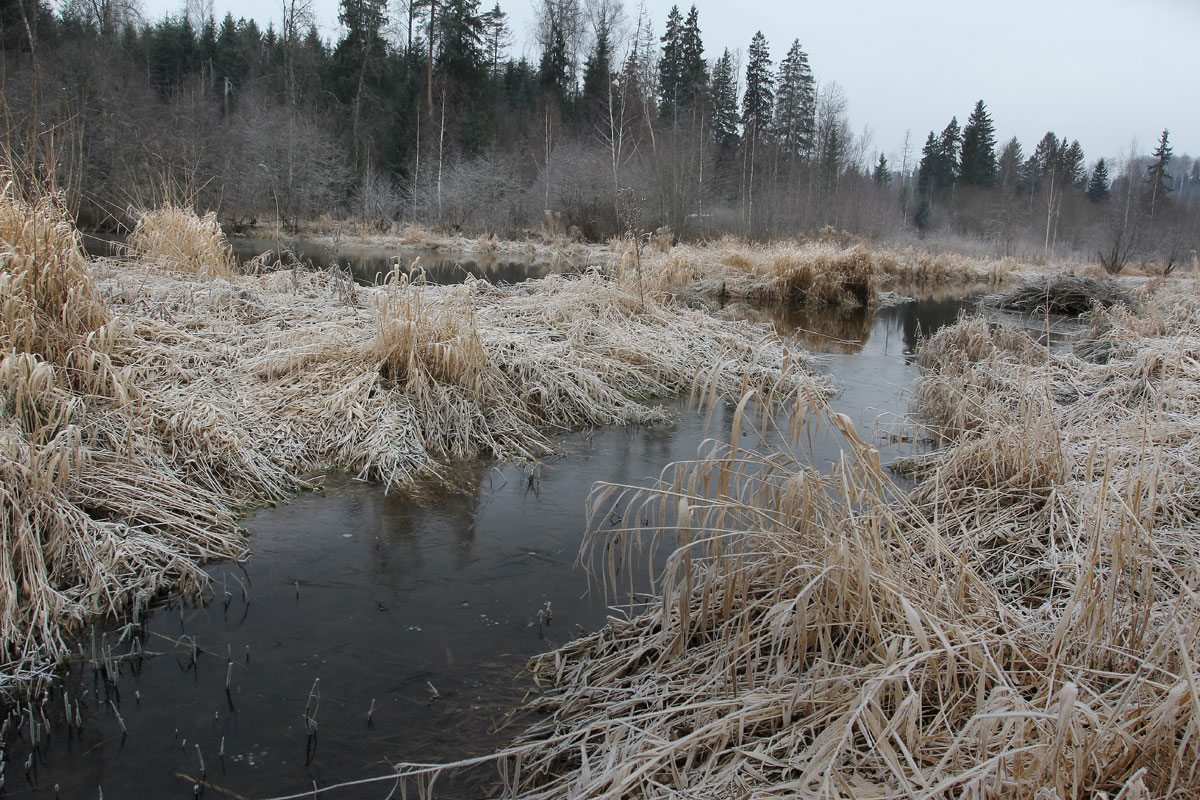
(120, 721)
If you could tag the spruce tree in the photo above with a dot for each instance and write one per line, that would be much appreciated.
(693, 72)
(1071, 162)
(1045, 161)
(925, 172)
(882, 176)
(597, 75)
(1097, 188)
(723, 115)
(945, 166)
(554, 67)
(1156, 173)
(670, 65)
(977, 166)
(795, 111)
(1008, 166)
(461, 58)
(759, 98)
(497, 37)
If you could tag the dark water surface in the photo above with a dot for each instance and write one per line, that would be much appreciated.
(370, 264)
(425, 608)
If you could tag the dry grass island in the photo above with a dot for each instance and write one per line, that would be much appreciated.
(1024, 623)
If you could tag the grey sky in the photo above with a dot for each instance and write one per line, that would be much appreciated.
(1101, 71)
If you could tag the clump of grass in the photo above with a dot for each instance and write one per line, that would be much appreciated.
(1061, 294)
(48, 302)
(175, 238)
(94, 510)
(814, 272)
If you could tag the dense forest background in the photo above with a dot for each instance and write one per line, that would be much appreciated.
(418, 113)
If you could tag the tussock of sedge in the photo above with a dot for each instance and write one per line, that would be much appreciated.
(173, 237)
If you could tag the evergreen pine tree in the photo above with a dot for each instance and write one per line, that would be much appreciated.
(597, 75)
(928, 167)
(759, 98)
(723, 117)
(497, 37)
(670, 66)
(1071, 161)
(1044, 163)
(977, 166)
(945, 166)
(1008, 165)
(554, 66)
(1156, 173)
(461, 58)
(1097, 188)
(882, 176)
(693, 72)
(795, 111)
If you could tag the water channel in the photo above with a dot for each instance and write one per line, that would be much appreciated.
(368, 628)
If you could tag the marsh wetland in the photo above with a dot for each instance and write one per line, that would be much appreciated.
(334, 523)
(369, 627)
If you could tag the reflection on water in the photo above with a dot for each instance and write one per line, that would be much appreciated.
(371, 264)
(419, 611)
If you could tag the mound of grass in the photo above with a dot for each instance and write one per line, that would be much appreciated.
(1061, 294)
(174, 238)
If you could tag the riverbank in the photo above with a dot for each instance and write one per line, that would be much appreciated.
(149, 400)
(830, 268)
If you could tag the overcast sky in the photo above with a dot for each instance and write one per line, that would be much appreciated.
(1101, 71)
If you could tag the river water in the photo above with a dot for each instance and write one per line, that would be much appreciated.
(369, 628)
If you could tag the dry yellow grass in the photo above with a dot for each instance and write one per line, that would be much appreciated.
(96, 511)
(174, 238)
(146, 400)
(831, 269)
(1024, 624)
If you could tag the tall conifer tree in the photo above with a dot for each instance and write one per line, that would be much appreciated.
(670, 66)
(1156, 173)
(759, 99)
(723, 118)
(977, 166)
(796, 110)
(693, 72)
(1097, 189)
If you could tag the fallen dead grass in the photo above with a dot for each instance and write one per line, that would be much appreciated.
(96, 511)
(146, 400)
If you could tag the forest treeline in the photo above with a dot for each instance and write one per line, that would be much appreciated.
(420, 113)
